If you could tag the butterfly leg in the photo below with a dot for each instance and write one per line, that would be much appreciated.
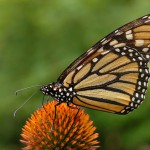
(55, 111)
(72, 107)
(77, 108)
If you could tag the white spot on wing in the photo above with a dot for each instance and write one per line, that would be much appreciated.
(139, 43)
(113, 42)
(79, 67)
(117, 50)
(147, 56)
(145, 49)
(142, 75)
(90, 51)
(145, 17)
(70, 89)
(101, 49)
(138, 101)
(133, 99)
(129, 36)
(140, 58)
(137, 95)
(123, 53)
(147, 21)
(105, 41)
(95, 59)
(116, 31)
(122, 111)
(129, 32)
(120, 45)
(130, 50)
(105, 52)
(119, 33)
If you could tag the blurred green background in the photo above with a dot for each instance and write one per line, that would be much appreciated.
(39, 39)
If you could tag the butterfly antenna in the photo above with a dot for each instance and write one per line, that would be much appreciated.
(24, 103)
(26, 88)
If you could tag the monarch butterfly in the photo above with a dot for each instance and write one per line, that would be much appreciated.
(112, 76)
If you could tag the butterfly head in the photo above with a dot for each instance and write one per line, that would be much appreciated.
(58, 92)
(49, 89)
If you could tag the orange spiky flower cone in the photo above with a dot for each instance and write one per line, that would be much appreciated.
(70, 129)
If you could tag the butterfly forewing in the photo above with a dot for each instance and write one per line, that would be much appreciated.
(135, 34)
(113, 75)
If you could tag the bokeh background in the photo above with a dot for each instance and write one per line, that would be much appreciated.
(39, 39)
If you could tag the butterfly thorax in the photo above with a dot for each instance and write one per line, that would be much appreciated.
(58, 92)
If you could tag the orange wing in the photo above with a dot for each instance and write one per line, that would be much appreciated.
(113, 75)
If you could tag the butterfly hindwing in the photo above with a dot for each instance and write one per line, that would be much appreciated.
(117, 85)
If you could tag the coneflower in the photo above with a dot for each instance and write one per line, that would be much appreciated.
(67, 129)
